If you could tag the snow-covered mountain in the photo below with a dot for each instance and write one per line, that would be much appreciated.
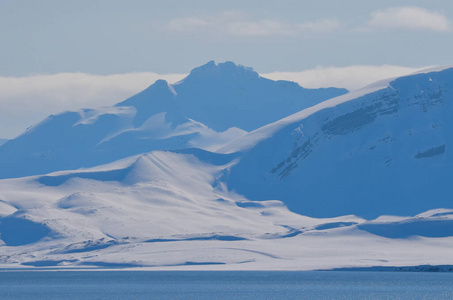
(2, 141)
(380, 150)
(212, 106)
(358, 180)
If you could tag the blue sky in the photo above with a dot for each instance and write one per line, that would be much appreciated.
(105, 37)
(60, 55)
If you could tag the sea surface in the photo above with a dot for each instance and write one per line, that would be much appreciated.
(224, 285)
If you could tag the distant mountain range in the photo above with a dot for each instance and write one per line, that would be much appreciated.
(228, 170)
(211, 107)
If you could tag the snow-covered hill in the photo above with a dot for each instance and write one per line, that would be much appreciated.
(380, 150)
(169, 210)
(2, 141)
(226, 98)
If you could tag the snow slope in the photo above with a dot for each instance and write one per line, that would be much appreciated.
(380, 150)
(212, 106)
(169, 210)
(2, 141)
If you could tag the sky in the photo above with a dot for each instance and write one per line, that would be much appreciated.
(58, 55)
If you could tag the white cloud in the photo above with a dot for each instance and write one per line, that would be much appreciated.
(260, 28)
(186, 24)
(240, 24)
(351, 77)
(25, 101)
(409, 18)
(272, 27)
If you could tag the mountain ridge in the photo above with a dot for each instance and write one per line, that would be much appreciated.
(212, 106)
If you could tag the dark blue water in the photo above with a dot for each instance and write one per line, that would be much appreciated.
(224, 285)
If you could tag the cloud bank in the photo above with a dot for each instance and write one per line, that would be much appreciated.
(24, 101)
(351, 77)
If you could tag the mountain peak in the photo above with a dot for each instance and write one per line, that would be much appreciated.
(160, 83)
(227, 69)
(160, 89)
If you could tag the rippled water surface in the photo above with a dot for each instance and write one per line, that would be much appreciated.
(224, 285)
